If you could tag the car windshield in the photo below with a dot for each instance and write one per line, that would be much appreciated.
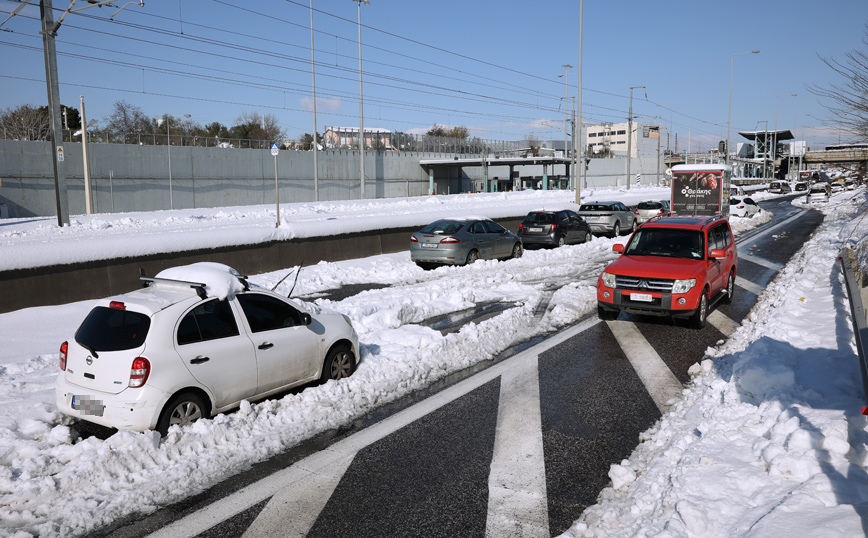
(595, 207)
(649, 205)
(444, 227)
(668, 242)
(540, 218)
(112, 329)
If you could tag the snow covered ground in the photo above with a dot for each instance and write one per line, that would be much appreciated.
(767, 440)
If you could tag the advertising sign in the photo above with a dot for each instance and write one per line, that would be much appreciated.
(696, 193)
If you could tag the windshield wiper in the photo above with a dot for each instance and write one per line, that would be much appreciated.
(92, 350)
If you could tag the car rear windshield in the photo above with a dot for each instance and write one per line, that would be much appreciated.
(667, 242)
(595, 207)
(649, 205)
(445, 227)
(540, 218)
(112, 329)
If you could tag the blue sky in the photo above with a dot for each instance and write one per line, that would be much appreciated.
(489, 65)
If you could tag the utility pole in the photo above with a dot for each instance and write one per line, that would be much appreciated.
(48, 47)
(630, 134)
(88, 192)
(577, 138)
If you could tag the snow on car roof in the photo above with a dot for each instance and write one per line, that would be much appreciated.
(699, 167)
(221, 281)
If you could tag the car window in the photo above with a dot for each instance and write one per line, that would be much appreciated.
(492, 226)
(208, 321)
(540, 218)
(445, 227)
(562, 216)
(719, 238)
(266, 313)
(573, 216)
(649, 205)
(477, 228)
(667, 242)
(112, 329)
(749, 201)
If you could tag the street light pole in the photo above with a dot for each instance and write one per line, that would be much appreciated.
(313, 86)
(729, 120)
(668, 131)
(775, 145)
(567, 68)
(630, 133)
(169, 145)
(361, 106)
(577, 138)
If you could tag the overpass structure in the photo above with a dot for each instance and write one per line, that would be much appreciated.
(839, 155)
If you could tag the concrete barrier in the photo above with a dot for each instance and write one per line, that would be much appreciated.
(60, 284)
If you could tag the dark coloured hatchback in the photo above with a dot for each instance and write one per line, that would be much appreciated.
(554, 228)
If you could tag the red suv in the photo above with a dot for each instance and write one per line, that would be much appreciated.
(672, 266)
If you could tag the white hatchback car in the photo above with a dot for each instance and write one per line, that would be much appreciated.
(745, 207)
(195, 342)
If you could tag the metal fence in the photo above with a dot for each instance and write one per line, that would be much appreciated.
(375, 141)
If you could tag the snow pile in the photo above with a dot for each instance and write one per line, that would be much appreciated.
(221, 281)
(768, 439)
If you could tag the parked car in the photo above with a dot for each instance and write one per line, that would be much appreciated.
(744, 207)
(676, 266)
(610, 218)
(850, 185)
(554, 228)
(194, 343)
(801, 186)
(737, 191)
(820, 192)
(779, 187)
(462, 242)
(650, 209)
(837, 186)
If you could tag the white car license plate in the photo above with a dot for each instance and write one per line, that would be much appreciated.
(641, 297)
(429, 245)
(87, 405)
(535, 229)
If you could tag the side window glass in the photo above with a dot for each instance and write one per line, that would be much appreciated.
(208, 321)
(266, 313)
(477, 228)
(562, 216)
(493, 227)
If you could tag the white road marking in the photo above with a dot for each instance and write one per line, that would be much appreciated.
(723, 323)
(661, 383)
(517, 499)
(748, 285)
(316, 464)
(764, 262)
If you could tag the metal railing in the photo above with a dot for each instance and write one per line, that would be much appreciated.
(854, 280)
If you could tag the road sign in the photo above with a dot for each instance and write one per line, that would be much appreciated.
(60, 153)
(274, 149)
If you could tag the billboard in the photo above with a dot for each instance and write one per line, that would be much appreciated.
(698, 193)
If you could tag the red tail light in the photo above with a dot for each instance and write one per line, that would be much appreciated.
(139, 372)
(521, 227)
(117, 305)
(413, 239)
(64, 347)
(449, 240)
(635, 211)
(554, 227)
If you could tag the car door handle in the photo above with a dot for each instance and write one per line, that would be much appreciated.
(199, 360)
(266, 345)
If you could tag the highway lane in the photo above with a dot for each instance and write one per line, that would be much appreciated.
(446, 472)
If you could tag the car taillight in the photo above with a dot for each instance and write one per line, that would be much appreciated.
(739, 207)
(449, 240)
(521, 227)
(117, 305)
(413, 239)
(139, 372)
(64, 347)
(554, 226)
(635, 211)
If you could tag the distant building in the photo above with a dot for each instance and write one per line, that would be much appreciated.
(348, 138)
(611, 138)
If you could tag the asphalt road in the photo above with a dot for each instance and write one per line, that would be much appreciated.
(519, 448)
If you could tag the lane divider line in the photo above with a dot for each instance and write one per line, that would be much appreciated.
(517, 499)
(658, 379)
(774, 266)
(723, 323)
(295, 475)
(746, 284)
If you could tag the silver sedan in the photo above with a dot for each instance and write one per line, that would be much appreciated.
(462, 241)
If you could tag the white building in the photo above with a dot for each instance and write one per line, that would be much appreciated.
(611, 138)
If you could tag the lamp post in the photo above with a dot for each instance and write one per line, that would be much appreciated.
(669, 130)
(169, 145)
(313, 86)
(729, 120)
(630, 133)
(361, 107)
(567, 68)
(577, 138)
(775, 145)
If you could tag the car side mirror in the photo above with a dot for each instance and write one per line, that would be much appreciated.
(717, 253)
(306, 319)
(618, 247)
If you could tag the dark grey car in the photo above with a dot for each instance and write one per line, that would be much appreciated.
(463, 241)
(609, 218)
(554, 228)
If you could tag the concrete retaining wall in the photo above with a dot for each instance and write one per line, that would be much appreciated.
(62, 284)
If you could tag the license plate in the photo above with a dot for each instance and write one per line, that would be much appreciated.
(537, 230)
(429, 245)
(641, 297)
(87, 405)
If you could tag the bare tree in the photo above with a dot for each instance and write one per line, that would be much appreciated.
(254, 126)
(127, 119)
(849, 99)
(25, 122)
(458, 131)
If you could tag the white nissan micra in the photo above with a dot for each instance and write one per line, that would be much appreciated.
(195, 342)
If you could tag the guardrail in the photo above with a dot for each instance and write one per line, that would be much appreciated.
(856, 291)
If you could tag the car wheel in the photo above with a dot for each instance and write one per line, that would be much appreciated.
(517, 250)
(607, 315)
(183, 410)
(588, 237)
(339, 364)
(697, 320)
(561, 241)
(616, 231)
(730, 288)
(425, 266)
(472, 256)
